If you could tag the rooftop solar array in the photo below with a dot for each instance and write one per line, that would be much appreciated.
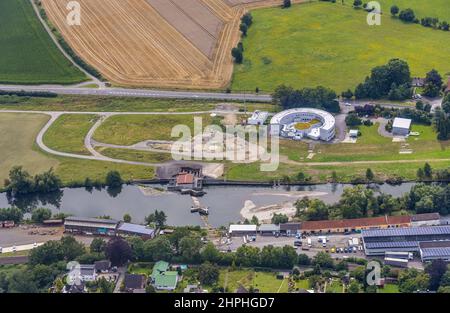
(436, 253)
(392, 244)
(407, 231)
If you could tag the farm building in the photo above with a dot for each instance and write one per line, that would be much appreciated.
(90, 226)
(128, 229)
(242, 230)
(353, 133)
(401, 126)
(258, 118)
(357, 224)
(434, 250)
(426, 219)
(378, 241)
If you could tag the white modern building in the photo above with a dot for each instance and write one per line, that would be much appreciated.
(401, 126)
(258, 118)
(242, 230)
(304, 122)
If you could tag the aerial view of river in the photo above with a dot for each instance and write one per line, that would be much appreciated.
(225, 203)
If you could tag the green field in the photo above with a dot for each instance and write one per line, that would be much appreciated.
(67, 133)
(17, 135)
(131, 129)
(331, 45)
(135, 155)
(28, 55)
(422, 8)
(264, 281)
(118, 104)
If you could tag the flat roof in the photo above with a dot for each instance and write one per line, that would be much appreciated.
(407, 231)
(401, 123)
(135, 228)
(242, 227)
(392, 244)
(357, 222)
(269, 227)
(328, 119)
(90, 220)
(425, 217)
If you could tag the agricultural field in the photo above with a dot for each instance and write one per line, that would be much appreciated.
(431, 8)
(67, 133)
(28, 55)
(328, 44)
(158, 43)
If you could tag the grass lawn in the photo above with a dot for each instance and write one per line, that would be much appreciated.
(302, 284)
(323, 173)
(28, 55)
(389, 288)
(67, 133)
(131, 129)
(431, 8)
(332, 45)
(141, 268)
(335, 287)
(119, 104)
(17, 135)
(264, 281)
(135, 155)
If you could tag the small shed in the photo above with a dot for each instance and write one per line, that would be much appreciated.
(401, 126)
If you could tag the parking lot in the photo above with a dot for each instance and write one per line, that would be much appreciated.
(333, 241)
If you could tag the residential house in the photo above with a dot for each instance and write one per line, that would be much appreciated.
(134, 283)
(162, 278)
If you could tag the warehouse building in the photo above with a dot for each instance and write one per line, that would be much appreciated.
(434, 250)
(128, 229)
(268, 229)
(242, 230)
(355, 225)
(90, 226)
(401, 126)
(290, 229)
(379, 241)
(427, 219)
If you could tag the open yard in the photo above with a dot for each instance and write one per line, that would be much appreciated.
(328, 44)
(28, 55)
(264, 281)
(67, 133)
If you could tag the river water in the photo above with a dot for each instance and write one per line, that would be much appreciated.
(224, 202)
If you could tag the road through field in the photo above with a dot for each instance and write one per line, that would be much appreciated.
(97, 156)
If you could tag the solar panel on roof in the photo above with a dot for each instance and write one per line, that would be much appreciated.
(436, 252)
(392, 244)
(409, 231)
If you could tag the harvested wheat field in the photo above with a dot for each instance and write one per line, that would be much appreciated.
(157, 43)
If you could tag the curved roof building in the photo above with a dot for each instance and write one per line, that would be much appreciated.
(304, 122)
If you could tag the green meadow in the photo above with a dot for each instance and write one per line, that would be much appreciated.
(422, 8)
(328, 44)
(27, 53)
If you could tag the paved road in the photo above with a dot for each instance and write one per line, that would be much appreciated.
(141, 93)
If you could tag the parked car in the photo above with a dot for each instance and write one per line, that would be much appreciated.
(1, 250)
(298, 243)
(14, 249)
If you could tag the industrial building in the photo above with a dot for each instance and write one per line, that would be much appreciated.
(128, 229)
(90, 226)
(434, 250)
(401, 126)
(353, 225)
(258, 118)
(242, 230)
(379, 241)
(426, 219)
(268, 229)
(304, 122)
